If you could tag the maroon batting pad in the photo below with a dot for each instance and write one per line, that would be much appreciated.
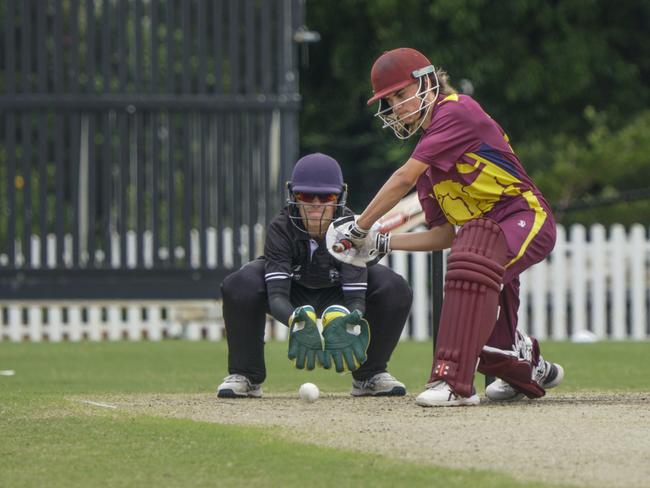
(475, 268)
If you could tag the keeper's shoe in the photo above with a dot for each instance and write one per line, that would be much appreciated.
(546, 374)
(381, 384)
(238, 386)
(440, 394)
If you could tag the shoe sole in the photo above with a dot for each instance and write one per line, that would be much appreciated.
(395, 391)
(472, 401)
(228, 393)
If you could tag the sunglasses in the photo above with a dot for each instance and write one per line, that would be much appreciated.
(310, 197)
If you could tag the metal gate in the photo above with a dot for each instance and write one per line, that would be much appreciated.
(143, 142)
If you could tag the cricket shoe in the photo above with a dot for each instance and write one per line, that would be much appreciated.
(238, 386)
(440, 394)
(381, 384)
(546, 374)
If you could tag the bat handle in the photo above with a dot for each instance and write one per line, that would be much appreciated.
(342, 245)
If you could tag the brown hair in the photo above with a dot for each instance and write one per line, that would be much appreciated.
(443, 81)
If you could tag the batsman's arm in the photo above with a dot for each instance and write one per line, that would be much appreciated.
(398, 185)
(434, 239)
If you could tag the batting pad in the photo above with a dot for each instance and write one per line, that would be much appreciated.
(475, 269)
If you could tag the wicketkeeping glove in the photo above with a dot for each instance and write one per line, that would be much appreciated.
(344, 346)
(305, 342)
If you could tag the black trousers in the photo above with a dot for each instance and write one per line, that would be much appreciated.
(388, 303)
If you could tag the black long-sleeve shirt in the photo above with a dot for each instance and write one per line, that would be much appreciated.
(293, 256)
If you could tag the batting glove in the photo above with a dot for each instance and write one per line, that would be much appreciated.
(347, 336)
(305, 342)
(381, 245)
(348, 229)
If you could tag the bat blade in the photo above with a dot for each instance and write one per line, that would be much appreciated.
(395, 220)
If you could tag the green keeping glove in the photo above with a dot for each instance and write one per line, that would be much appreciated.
(343, 346)
(305, 342)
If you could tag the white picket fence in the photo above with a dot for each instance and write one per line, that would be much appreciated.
(594, 286)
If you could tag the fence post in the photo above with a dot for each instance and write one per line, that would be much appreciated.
(598, 268)
(617, 267)
(638, 286)
(539, 292)
(559, 289)
(578, 279)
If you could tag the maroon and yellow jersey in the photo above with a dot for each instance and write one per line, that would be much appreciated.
(473, 171)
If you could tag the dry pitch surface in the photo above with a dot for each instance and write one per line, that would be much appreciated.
(595, 440)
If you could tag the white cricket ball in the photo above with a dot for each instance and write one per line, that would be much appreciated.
(308, 392)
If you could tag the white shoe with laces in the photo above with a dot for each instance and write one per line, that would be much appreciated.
(381, 384)
(238, 386)
(546, 374)
(440, 394)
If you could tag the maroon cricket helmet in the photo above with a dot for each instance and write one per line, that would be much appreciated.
(396, 69)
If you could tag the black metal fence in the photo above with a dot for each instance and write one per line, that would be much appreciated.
(141, 142)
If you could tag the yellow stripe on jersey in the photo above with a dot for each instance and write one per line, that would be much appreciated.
(540, 218)
(449, 98)
(463, 203)
(529, 196)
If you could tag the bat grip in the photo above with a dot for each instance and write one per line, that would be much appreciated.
(342, 245)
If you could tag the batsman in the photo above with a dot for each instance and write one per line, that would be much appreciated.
(467, 177)
(362, 309)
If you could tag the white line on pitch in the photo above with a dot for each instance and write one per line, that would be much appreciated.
(97, 404)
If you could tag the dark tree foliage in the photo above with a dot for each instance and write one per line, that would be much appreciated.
(557, 75)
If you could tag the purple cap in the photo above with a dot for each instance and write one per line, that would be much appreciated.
(317, 173)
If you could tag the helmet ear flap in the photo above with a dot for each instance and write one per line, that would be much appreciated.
(288, 192)
(341, 202)
(343, 197)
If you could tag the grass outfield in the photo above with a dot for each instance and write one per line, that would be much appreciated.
(49, 440)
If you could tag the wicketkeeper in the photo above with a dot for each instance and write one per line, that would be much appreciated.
(362, 310)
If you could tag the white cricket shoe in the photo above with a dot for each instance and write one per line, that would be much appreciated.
(546, 374)
(381, 384)
(238, 386)
(440, 394)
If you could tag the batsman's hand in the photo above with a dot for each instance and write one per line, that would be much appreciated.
(347, 336)
(350, 234)
(305, 342)
(379, 245)
(356, 251)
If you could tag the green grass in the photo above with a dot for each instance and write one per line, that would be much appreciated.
(48, 441)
